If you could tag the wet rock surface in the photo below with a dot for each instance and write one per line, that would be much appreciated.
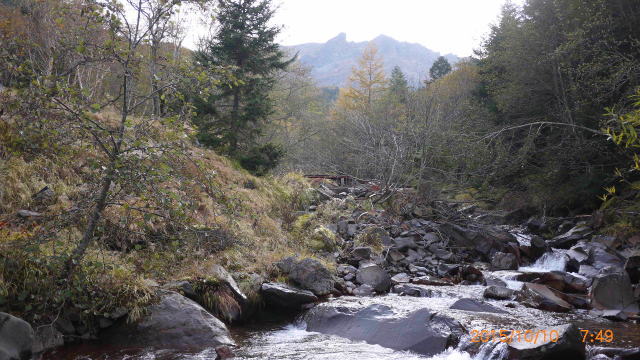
(422, 331)
(176, 322)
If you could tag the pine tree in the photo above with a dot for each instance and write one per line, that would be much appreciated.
(244, 41)
(440, 68)
(398, 85)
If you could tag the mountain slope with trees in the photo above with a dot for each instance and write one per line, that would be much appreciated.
(331, 62)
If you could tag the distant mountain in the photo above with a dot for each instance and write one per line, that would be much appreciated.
(332, 61)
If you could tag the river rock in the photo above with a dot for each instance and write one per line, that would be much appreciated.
(430, 280)
(422, 331)
(563, 281)
(504, 261)
(285, 265)
(541, 297)
(374, 276)
(285, 296)
(632, 266)
(476, 306)
(571, 237)
(613, 292)
(395, 256)
(361, 253)
(364, 290)
(498, 293)
(569, 344)
(16, 338)
(411, 290)
(220, 273)
(400, 278)
(311, 275)
(404, 243)
(176, 322)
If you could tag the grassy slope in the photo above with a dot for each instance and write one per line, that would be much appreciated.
(246, 222)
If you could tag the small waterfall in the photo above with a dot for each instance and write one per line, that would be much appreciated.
(493, 351)
(550, 261)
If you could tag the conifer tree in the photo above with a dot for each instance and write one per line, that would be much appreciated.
(244, 41)
(440, 68)
(398, 85)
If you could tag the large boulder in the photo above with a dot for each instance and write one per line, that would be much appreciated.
(176, 322)
(476, 306)
(541, 297)
(486, 241)
(498, 293)
(538, 344)
(632, 266)
(374, 276)
(16, 338)
(311, 275)
(613, 292)
(285, 296)
(571, 237)
(412, 290)
(421, 331)
(504, 261)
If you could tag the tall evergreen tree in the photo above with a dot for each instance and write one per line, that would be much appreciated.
(244, 41)
(440, 68)
(398, 85)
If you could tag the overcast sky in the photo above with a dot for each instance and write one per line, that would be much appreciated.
(446, 26)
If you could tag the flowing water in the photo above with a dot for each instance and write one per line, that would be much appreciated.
(290, 340)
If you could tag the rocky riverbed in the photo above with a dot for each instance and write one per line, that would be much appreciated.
(446, 282)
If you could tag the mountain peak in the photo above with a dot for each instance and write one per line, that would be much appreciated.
(342, 37)
(331, 62)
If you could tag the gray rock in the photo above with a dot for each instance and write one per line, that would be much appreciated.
(373, 275)
(285, 296)
(285, 265)
(571, 237)
(632, 266)
(476, 306)
(430, 280)
(174, 323)
(310, 274)
(541, 297)
(183, 287)
(400, 279)
(416, 269)
(47, 338)
(16, 338)
(362, 253)
(613, 292)
(394, 255)
(404, 243)
(498, 293)
(223, 276)
(430, 237)
(504, 261)
(364, 290)
(422, 331)
(567, 345)
(26, 214)
(442, 254)
(412, 290)
(344, 269)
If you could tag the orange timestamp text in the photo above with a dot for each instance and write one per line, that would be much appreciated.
(597, 336)
(535, 336)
